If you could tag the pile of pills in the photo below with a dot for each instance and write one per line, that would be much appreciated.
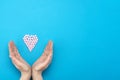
(30, 41)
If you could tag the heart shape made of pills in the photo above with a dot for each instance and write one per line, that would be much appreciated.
(30, 41)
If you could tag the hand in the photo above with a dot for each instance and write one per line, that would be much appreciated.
(19, 62)
(43, 62)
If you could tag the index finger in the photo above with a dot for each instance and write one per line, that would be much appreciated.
(12, 49)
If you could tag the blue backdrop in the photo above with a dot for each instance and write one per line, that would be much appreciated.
(86, 35)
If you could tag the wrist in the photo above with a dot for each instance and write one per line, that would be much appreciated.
(37, 75)
(25, 75)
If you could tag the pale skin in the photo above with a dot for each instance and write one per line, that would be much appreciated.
(37, 68)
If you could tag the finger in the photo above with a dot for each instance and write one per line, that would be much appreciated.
(17, 63)
(47, 55)
(47, 52)
(13, 50)
(48, 49)
(20, 63)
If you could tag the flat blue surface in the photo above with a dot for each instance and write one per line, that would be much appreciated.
(86, 35)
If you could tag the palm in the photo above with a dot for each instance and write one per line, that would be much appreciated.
(17, 60)
(43, 62)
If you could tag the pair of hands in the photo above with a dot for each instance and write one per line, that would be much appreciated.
(37, 68)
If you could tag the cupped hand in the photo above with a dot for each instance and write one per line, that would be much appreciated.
(43, 62)
(17, 60)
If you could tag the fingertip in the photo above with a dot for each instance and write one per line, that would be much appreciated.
(11, 43)
(50, 42)
(50, 45)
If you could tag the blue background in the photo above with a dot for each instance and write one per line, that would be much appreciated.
(86, 35)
